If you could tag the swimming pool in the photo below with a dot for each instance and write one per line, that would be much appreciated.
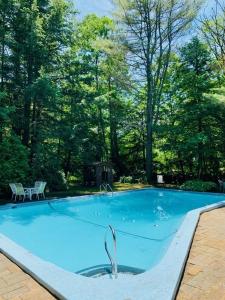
(69, 233)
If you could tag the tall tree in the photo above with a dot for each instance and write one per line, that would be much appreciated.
(190, 130)
(197, 68)
(152, 27)
(213, 29)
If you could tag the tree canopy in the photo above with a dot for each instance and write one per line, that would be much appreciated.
(144, 89)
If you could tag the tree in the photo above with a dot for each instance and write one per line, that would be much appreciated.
(34, 35)
(152, 27)
(73, 92)
(197, 69)
(13, 162)
(191, 129)
(101, 66)
(213, 29)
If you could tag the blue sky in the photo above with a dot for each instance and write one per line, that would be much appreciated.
(104, 7)
(100, 7)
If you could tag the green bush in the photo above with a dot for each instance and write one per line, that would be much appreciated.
(126, 179)
(55, 179)
(13, 162)
(199, 186)
(51, 173)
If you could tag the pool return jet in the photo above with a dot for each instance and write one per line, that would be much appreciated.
(113, 260)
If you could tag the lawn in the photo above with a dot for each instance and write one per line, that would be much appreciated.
(82, 190)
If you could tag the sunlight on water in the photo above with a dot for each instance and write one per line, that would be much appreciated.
(71, 233)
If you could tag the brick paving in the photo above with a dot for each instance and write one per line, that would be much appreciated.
(204, 276)
(15, 284)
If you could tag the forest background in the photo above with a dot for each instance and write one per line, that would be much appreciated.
(143, 89)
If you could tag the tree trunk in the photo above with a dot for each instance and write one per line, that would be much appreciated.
(200, 151)
(2, 73)
(27, 98)
(181, 163)
(149, 127)
(26, 128)
(115, 156)
(3, 61)
(67, 163)
(101, 127)
(27, 104)
(104, 149)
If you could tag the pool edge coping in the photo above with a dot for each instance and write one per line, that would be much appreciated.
(61, 282)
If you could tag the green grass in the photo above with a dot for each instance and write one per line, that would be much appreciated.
(82, 190)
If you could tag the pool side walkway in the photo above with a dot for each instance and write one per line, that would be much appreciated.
(204, 275)
(15, 284)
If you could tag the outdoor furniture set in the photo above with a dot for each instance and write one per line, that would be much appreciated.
(18, 191)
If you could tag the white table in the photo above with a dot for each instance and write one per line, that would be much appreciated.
(29, 192)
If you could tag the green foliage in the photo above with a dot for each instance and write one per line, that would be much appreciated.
(212, 29)
(199, 186)
(93, 28)
(126, 179)
(54, 177)
(13, 162)
(191, 133)
(68, 97)
(196, 68)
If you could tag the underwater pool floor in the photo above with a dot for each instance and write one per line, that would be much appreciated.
(203, 276)
(155, 230)
(204, 272)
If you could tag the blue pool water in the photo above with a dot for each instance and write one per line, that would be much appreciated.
(70, 233)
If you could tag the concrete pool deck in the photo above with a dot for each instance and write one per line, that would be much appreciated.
(15, 284)
(204, 275)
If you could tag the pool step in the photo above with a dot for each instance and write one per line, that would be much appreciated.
(103, 270)
(113, 259)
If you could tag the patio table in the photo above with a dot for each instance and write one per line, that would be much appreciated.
(29, 191)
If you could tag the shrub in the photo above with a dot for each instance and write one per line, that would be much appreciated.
(126, 179)
(13, 162)
(51, 173)
(140, 177)
(199, 186)
(55, 179)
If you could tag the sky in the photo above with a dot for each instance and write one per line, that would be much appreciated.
(104, 7)
(99, 7)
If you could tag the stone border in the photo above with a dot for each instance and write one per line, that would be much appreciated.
(159, 283)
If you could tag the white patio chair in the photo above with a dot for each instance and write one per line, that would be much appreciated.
(13, 190)
(18, 191)
(39, 189)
